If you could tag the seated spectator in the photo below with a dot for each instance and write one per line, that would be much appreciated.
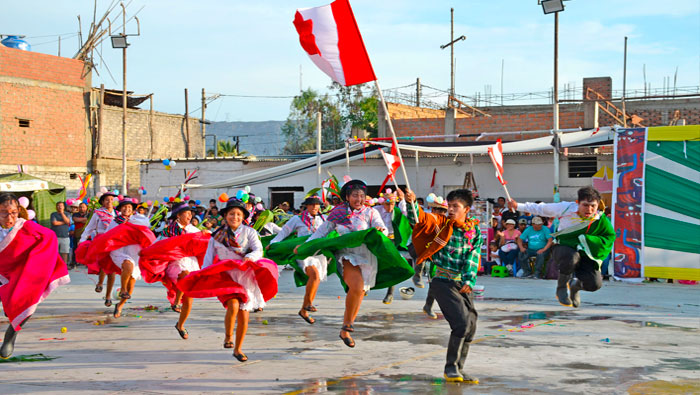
(493, 258)
(508, 251)
(209, 224)
(522, 224)
(527, 217)
(538, 241)
(214, 216)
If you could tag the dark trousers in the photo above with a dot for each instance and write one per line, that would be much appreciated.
(457, 308)
(569, 261)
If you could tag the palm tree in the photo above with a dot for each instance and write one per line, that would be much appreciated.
(227, 148)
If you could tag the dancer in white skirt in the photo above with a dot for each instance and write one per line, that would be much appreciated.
(127, 258)
(316, 267)
(357, 266)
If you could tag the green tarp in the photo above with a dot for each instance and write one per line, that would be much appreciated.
(43, 202)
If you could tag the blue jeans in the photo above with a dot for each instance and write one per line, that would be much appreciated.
(508, 258)
(523, 258)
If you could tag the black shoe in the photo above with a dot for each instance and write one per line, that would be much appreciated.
(454, 353)
(429, 311)
(563, 290)
(575, 288)
(418, 281)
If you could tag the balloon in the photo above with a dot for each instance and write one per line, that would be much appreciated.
(103, 190)
(380, 200)
(166, 162)
(168, 168)
(258, 199)
(31, 214)
(143, 192)
(239, 194)
(85, 200)
(388, 190)
(187, 197)
(247, 188)
(156, 203)
(23, 201)
(134, 200)
(148, 202)
(223, 198)
(430, 198)
(245, 197)
(172, 163)
(177, 200)
(197, 202)
(116, 192)
(259, 207)
(439, 200)
(347, 178)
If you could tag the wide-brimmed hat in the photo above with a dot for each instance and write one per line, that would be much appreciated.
(435, 204)
(510, 221)
(537, 221)
(178, 208)
(104, 195)
(126, 201)
(351, 185)
(311, 200)
(234, 203)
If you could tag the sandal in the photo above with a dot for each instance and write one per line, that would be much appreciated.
(259, 309)
(307, 318)
(125, 295)
(108, 302)
(310, 308)
(98, 288)
(183, 332)
(228, 344)
(176, 307)
(348, 328)
(348, 341)
(240, 357)
(117, 311)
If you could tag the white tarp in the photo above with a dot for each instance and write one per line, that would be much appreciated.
(573, 139)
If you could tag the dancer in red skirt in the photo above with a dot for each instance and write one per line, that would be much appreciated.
(235, 272)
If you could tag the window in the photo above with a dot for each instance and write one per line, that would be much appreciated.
(582, 167)
(23, 123)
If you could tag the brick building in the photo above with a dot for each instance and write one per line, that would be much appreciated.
(57, 127)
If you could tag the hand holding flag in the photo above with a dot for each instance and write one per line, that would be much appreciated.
(496, 155)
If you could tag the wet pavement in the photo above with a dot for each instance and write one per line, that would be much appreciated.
(625, 338)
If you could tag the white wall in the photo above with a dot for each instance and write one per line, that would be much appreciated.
(529, 176)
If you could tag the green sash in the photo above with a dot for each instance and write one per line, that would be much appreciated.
(402, 229)
(595, 239)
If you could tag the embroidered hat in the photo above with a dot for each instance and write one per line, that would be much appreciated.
(350, 185)
(104, 195)
(180, 207)
(235, 203)
(126, 201)
(311, 200)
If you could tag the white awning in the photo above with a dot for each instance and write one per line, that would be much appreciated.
(23, 185)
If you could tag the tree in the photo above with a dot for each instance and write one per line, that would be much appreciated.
(226, 148)
(346, 111)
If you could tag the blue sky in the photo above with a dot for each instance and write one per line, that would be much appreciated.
(251, 47)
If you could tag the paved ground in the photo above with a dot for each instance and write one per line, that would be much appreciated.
(624, 338)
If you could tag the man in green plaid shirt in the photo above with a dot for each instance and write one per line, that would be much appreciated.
(453, 244)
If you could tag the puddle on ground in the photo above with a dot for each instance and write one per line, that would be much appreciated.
(652, 324)
(682, 363)
(415, 338)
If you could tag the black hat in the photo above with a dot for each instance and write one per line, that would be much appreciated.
(104, 195)
(126, 201)
(235, 203)
(352, 184)
(178, 208)
(311, 200)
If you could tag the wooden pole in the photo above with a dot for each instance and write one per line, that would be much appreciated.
(393, 138)
(150, 122)
(99, 121)
(204, 124)
(187, 127)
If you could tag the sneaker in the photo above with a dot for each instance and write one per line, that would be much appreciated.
(388, 299)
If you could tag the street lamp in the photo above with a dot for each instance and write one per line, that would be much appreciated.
(119, 42)
(555, 7)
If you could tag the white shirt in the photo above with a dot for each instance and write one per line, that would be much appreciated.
(295, 224)
(361, 219)
(250, 247)
(387, 216)
(96, 226)
(566, 212)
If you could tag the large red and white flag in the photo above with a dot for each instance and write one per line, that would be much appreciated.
(392, 162)
(331, 38)
(496, 155)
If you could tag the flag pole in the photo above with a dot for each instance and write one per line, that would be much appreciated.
(393, 138)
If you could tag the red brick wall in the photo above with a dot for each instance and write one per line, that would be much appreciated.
(602, 85)
(56, 111)
(41, 67)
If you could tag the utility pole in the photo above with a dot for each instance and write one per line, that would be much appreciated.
(187, 126)
(204, 123)
(124, 98)
(318, 148)
(452, 51)
(555, 97)
(418, 92)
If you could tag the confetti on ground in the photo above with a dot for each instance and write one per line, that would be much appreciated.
(52, 338)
